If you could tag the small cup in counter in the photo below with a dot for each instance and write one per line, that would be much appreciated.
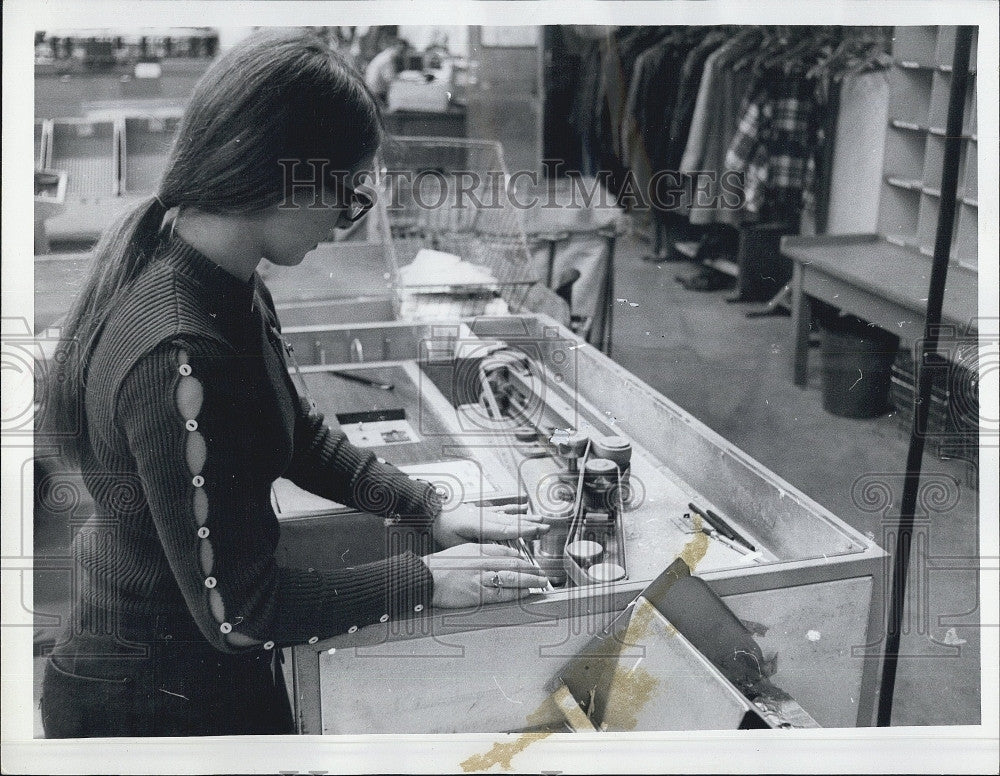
(585, 552)
(553, 542)
(606, 572)
(617, 449)
(600, 480)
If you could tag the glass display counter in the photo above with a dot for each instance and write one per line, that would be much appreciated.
(484, 405)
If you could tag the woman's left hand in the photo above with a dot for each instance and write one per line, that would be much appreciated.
(470, 523)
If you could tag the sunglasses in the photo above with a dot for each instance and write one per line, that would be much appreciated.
(357, 203)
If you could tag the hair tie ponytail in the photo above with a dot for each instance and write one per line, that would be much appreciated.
(164, 208)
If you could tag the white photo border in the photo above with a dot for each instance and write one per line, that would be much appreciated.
(932, 749)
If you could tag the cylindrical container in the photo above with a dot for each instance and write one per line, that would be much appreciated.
(553, 542)
(614, 448)
(606, 572)
(600, 478)
(857, 369)
(570, 447)
(585, 553)
(553, 569)
(619, 450)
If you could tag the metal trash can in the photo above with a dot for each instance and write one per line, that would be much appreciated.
(857, 362)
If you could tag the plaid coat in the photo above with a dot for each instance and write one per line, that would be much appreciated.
(774, 142)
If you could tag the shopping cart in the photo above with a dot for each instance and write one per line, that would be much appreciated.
(455, 239)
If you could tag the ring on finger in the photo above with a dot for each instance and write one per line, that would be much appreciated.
(496, 579)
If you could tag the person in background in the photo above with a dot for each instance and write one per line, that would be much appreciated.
(172, 388)
(371, 41)
(383, 68)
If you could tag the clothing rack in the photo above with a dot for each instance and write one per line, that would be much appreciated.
(724, 109)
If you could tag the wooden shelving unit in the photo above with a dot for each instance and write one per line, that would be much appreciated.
(882, 277)
(920, 81)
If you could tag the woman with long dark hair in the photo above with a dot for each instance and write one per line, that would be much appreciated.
(172, 378)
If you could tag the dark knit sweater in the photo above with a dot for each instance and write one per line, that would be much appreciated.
(191, 415)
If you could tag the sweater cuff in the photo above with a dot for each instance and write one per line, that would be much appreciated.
(382, 489)
(411, 586)
(418, 501)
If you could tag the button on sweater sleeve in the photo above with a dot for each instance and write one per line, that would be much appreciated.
(185, 413)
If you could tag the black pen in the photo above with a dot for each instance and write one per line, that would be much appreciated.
(733, 534)
(710, 531)
(363, 380)
(722, 526)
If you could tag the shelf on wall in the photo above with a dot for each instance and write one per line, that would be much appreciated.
(920, 84)
(938, 110)
(940, 68)
(908, 184)
(941, 132)
(945, 48)
(907, 125)
(911, 244)
(971, 119)
(927, 221)
(904, 155)
(910, 95)
(916, 44)
(959, 195)
(966, 243)
(934, 163)
(947, 69)
(898, 209)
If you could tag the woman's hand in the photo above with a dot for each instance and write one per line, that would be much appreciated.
(473, 574)
(471, 523)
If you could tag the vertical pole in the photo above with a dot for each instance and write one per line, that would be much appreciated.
(935, 299)
(608, 302)
(824, 165)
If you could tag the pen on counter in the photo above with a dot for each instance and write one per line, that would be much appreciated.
(721, 526)
(732, 544)
(710, 531)
(713, 532)
(363, 380)
(734, 535)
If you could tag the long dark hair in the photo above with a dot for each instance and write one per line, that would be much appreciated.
(277, 95)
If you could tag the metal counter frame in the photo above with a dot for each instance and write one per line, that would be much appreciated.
(822, 605)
